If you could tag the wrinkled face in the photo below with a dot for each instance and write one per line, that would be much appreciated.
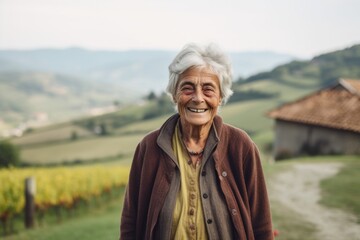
(198, 96)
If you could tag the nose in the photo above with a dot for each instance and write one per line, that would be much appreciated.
(198, 96)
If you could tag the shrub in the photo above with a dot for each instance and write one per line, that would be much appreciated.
(9, 154)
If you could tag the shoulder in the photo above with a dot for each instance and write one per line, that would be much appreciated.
(149, 139)
(234, 131)
(235, 143)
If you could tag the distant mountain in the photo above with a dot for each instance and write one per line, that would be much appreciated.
(144, 70)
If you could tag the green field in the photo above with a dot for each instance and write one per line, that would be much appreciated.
(82, 150)
(55, 133)
(342, 191)
(76, 141)
(79, 142)
(339, 191)
(103, 223)
(56, 145)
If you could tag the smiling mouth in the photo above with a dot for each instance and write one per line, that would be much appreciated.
(195, 110)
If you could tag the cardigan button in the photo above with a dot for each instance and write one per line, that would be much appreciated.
(203, 173)
(209, 221)
(191, 212)
(205, 195)
(233, 212)
(224, 174)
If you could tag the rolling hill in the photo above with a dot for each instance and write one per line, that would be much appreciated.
(115, 135)
(24, 95)
(124, 66)
(292, 80)
(322, 70)
(66, 83)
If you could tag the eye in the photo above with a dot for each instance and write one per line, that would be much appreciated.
(208, 89)
(187, 88)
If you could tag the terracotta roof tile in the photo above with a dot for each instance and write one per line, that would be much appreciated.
(331, 107)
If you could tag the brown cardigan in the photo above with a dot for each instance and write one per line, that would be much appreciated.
(243, 186)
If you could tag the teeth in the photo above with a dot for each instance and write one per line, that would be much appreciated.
(197, 110)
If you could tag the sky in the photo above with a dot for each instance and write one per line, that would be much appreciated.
(303, 28)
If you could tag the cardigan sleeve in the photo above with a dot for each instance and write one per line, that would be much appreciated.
(257, 195)
(130, 206)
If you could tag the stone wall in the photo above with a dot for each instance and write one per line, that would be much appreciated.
(294, 139)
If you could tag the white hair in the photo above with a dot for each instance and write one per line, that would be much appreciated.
(209, 56)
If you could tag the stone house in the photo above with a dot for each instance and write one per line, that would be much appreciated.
(325, 122)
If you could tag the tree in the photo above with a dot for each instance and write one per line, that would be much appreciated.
(151, 96)
(9, 154)
(116, 103)
(103, 129)
(74, 136)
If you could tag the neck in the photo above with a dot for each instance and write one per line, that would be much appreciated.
(195, 137)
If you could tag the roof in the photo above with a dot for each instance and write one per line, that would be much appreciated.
(336, 107)
(352, 85)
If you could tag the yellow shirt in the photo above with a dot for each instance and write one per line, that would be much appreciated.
(188, 217)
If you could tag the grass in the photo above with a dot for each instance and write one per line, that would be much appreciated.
(53, 144)
(286, 92)
(251, 115)
(82, 149)
(248, 115)
(143, 126)
(243, 115)
(103, 223)
(342, 191)
(100, 223)
(61, 132)
(289, 224)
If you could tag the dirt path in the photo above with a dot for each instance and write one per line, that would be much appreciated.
(298, 189)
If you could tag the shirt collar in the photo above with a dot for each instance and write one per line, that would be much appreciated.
(167, 130)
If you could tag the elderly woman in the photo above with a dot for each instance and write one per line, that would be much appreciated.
(197, 177)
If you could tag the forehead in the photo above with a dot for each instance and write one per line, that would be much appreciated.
(195, 72)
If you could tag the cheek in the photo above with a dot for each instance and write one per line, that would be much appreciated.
(182, 99)
(177, 96)
(214, 102)
(180, 102)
